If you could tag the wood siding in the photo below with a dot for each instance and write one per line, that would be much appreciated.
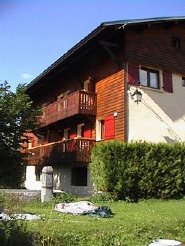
(152, 46)
(147, 45)
(110, 99)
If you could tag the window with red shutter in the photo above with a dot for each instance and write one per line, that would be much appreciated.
(109, 127)
(133, 73)
(167, 81)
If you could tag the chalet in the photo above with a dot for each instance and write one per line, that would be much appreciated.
(124, 81)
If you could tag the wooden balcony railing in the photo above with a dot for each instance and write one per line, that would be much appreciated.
(62, 152)
(80, 102)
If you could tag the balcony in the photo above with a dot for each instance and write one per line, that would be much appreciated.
(80, 102)
(62, 152)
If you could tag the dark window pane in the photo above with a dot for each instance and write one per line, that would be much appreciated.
(79, 176)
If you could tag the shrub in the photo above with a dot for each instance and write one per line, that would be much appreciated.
(63, 197)
(104, 197)
(139, 170)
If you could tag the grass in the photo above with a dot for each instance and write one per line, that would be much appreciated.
(133, 224)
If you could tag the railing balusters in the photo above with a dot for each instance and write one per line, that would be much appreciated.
(80, 102)
(80, 147)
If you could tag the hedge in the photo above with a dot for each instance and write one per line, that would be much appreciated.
(139, 170)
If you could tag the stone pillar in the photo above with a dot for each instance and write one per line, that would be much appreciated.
(47, 184)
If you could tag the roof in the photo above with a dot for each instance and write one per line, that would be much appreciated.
(147, 20)
(95, 32)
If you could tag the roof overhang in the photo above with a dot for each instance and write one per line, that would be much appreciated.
(112, 25)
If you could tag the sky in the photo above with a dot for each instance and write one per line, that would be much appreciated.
(35, 33)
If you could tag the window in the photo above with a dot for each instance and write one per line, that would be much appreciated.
(149, 77)
(105, 129)
(183, 81)
(89, 85)
(176, 43)
(79, 176)
(99, 130)
(37, 173)
(86, 85)
(80, 130)
(67, 133)
(102, 122)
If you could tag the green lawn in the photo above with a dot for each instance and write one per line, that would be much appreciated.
(132, 224)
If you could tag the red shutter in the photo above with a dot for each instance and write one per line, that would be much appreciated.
(167, 81)
(133, 73)
(72, 134)
(109, 127)
(87, 133)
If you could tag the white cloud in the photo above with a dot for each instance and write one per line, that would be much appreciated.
(26, 76)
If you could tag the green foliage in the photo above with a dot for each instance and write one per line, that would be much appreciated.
(132, 224)
(103, 197)
(14, 233)
(2, 202)
(16, 116)
(139, 170)
(11, 203)
(63, 197)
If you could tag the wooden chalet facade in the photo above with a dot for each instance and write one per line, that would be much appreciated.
(87, 97)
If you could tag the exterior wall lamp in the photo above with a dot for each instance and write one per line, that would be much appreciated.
(137, 96)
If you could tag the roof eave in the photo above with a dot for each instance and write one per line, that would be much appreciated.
(94, 33)
(67, 55)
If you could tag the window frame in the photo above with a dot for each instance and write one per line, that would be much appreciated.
(100, 130)
(149, 71)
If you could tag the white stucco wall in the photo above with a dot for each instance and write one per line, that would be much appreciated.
(160, 116)
(30, 182)
(62, 181)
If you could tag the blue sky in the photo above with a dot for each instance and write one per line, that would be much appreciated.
(35, 33)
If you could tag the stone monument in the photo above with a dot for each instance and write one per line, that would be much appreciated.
(47, 184)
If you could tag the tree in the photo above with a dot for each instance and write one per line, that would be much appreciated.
(17, 114)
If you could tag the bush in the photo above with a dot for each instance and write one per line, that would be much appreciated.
(63, 197)
(139, 170)
(2, 202)
(104, 197)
